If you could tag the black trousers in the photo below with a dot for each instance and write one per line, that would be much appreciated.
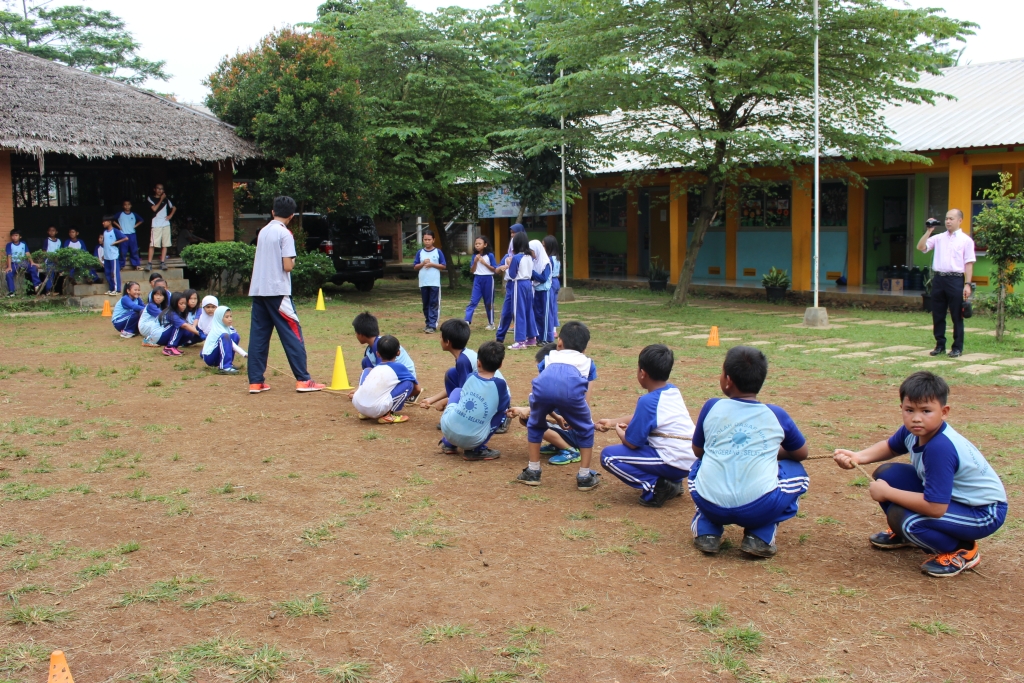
(948, 294)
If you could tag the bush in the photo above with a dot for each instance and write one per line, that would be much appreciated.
(66, 261)
(311, 271)
(225, 265)
(1014, 304)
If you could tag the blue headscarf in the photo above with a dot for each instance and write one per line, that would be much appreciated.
(515, 228)
(216, 331)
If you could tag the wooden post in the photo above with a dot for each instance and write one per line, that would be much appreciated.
(676, 227)
(223, 202)
(554, 223)
(960, 176)
(632, 234)
(6, 201)
(732, 227)
(501, 239)
(802, 222)
(581, 236)
(854, 235)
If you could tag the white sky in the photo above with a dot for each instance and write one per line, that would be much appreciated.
(193, 35)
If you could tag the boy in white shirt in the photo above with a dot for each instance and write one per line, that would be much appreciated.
(384, 388)
(429, 263)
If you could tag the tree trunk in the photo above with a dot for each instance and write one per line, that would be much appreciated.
(441, 243)
(1001, 309)
(709, 203)
(522, 212)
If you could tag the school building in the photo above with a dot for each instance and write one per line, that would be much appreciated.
(73, 146)
(866, 232)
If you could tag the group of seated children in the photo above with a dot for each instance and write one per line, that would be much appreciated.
(171, 321)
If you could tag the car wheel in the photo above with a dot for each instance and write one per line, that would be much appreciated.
(364, 285)
(336, 279)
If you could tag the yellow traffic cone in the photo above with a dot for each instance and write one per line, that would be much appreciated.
(713, 337)
(320, 302)
(60, 672)
(339, 381)
(107, 313)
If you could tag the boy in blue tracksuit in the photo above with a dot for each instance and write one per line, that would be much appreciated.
(947, 498)
(367, 331)
(562, 387)
(19, 258)
(748, 469)
(429, 263)
(454, 338)
(655, 455)
(383, 389)
(112, 237)
(477, 409)
(128, 222)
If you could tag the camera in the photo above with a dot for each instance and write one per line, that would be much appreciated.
(932, 223)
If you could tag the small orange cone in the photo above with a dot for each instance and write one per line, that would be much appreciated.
(107, 313)
(713, 337)
(60, 672)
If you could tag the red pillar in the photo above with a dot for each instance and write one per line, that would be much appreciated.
(223, 202)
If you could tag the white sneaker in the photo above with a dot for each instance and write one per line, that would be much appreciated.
(489, 327)
(126, 335)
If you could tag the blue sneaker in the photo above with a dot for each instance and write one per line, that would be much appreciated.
(549, 449)
(565, 457)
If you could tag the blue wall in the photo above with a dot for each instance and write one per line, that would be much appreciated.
(763, 250)
(712, 253)
(833, 254)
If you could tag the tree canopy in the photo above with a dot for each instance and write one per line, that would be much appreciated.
(1000, 228)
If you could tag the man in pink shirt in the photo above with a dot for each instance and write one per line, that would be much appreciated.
(952, 266)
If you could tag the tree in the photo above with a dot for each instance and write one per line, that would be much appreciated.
(296, 96)
(720, 86)
(429, 103)
(1000, 227)
(78, 36)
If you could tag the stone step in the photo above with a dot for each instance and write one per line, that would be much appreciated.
(129, 273)
(93, 301)
(175, 285)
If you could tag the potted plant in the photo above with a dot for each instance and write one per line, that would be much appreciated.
(926, 295)
(775, 283)
(657, 277)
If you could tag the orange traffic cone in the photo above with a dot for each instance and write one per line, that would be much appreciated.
(107, 313)
(713, 337)
(60, 672)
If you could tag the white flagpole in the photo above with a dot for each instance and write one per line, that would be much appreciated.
(565, 293)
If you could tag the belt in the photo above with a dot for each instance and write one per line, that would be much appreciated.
(941, 274)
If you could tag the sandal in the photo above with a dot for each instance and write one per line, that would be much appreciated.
(391, 419)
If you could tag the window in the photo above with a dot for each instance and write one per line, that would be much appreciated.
(56, 188)
(607, 211)
(834, 197)
(979, 183)
(693, 200)
(766, 206)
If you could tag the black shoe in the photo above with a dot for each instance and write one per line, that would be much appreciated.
(956, 353)
(529, 477)
(666, 490)
(937, 351)
(447, 450)
(752, 545)
(588, 482)
(708, 543)
(887, 540)
(505, 424)
(482, 454)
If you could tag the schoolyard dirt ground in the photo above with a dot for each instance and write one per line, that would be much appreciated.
(159, 524)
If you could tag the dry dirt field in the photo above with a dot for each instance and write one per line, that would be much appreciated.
(159, 524)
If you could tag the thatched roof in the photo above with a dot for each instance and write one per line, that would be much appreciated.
(46, 107)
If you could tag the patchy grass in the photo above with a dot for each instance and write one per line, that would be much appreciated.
(934, 628)
(578, 516)
(638, 534)
(747, 638)
(317, 536)
(311, 606)
(576, 534)
(725, 659)
(194, 605)
(35, 615)
(165, 591)
(357, 584)
(19, 656)
(435, 633)
(709, 618)
(346, 672)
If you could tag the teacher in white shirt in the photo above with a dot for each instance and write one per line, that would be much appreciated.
(952, 266)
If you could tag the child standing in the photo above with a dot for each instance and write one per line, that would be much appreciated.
(477, 409)
(551, 245)
(748, 469)
(517, 308)
(541, 289)
(483, 268)
(112, 237)
(947, 498)
(129, 221)
(656, 452)
(128, 311)
(383, 388)
(562, 387)
(19, 258)
(429, 263)
(221, 344)
(53, 243)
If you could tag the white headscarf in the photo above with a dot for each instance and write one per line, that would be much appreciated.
(540, 258)
(205, 319)
(217, 330)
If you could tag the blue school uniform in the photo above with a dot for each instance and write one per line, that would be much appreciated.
(127, 313)
(518, 305)
(430, 285)
(739, 479)
(371, 357)
(556, 285)
(483, 289)
(51, 246)
(662, 411)
(128, 222)
(80, 245)
(562, 386)
(949, 470)
(455, 377)
(474, 412)
(17, 257)
(111, 258)
(541, 301)
(150, 326)
(383, 389)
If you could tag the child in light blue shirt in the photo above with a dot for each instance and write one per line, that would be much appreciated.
(429, 263)
(477, 409)
(111, 238)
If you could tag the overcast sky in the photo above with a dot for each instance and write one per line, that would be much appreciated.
(192, 36)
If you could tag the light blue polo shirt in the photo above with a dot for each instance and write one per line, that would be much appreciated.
(430, 277)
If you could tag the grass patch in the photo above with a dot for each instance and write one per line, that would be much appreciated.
(343, 474)
(95, 571)
(200, 603)
(638, 534)
(435, 633)
(346, 672)
(372, 435)
(725, 659)
(747, 638)
(311, 606)
(14, 658)
(473, 676)
(35, 615)
(827, 521)
(251, 498)
(42, 467)
(226, 487)
(154, 383)
(84, 489)
(319, 535)
(845, 592)
(860, 481)
(357, 584)
(576, 534)
(416, 480)
(165, 591)
(17, 490)
(623, 550)
(709, 618)
(934, 628)
(577, 516)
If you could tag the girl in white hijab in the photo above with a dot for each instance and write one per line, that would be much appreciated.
(221, 345)
(205, 318)
(541, 280)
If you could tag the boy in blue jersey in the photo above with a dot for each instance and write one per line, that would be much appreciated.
(112, 237)
(454, 338)
(367, 331)
(947, 498)
(477, 409)
(429, 263)
(656, 453)
(19, 258)
(748, 469)
(128, 222)
(384, 387)
(562, 387)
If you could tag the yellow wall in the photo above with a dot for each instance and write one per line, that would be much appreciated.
(803, 231)
(676, 227)
(960, 187)
(855, 236)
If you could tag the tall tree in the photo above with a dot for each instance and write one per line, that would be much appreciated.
(296, 96)
(720, 86)
(1000, 227)
(78, 36)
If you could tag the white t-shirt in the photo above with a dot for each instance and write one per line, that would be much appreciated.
(160, 218)
(274, 243)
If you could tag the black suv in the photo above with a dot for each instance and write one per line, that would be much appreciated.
(352, 243)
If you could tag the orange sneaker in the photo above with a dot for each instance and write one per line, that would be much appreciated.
(951, 564)
(258, 388)
(392, 419)
(308, 385)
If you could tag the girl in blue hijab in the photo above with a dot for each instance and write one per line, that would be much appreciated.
(221, 343)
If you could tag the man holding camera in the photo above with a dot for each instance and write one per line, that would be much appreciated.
(952, 268)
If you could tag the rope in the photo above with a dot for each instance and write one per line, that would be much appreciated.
(671, 436)
(829, 457)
